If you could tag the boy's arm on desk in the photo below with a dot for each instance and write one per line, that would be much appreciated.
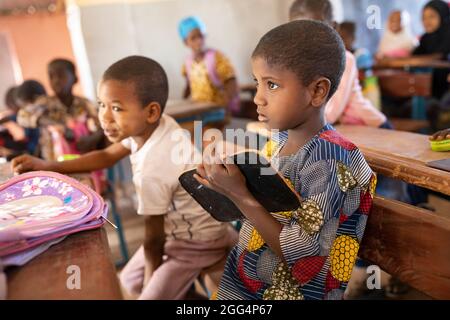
(95, 160)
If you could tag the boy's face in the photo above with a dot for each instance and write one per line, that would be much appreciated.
(431, 20)
(120, 113)
(61, 79)
(195, 41)
(283, 101)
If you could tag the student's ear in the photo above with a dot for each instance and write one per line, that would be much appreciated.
(319, 89)
(154, 111)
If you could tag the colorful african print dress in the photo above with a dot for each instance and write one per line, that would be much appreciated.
(320, 240)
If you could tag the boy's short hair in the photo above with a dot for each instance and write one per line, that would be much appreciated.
(147, 76)
(323, 7)
(30, 90)
(310, 49)
(66, 64)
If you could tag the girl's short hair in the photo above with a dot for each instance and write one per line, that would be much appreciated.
(310, 49)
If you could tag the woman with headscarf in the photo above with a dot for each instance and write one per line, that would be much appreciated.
(435, 43)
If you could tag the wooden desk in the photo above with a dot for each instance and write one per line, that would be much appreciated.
(45, 277)
(397, 154)
(185, 110)
(419, 68)
(401, 155)
(412, 62)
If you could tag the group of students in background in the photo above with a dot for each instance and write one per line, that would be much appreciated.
(313, 83)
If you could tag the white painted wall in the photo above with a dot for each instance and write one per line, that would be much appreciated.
(114, 30)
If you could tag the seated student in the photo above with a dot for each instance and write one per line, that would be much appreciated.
(364, 63)
(397, 40)
(75, 117)
(435, 43)
(209, 74)
(347, 30)
(348, 105)
(308, 253)
(25, 97)
(11, 135)
(181, 238)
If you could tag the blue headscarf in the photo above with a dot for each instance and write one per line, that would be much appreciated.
(188, 24)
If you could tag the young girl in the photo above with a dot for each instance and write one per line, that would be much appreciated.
(308, 253)
(209, 74)
(435, 43)
(397, 40)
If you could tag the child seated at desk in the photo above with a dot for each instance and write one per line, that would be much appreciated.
(397, 40)
(12, 140)
(209, 74)
(435, 43)
(22, 98)
(181, 239)
(300, 254)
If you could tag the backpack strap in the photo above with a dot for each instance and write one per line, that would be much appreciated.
(210, 61)
(188, 66)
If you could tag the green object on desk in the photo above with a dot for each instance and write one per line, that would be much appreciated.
(66, 157)
(442, 145)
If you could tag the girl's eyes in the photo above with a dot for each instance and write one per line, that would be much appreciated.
(272, 85)
(101, 105)
(256, 82)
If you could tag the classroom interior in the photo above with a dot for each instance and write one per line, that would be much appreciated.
(406, 239)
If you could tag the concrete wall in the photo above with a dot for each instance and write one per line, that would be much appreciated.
(37, 39)
(115, 29)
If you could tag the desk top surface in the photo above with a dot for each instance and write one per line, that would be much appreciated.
(407, 145)
(400, 154)
(47, 276)
(185, 108)
(397, 154)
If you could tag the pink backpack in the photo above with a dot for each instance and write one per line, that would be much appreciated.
(39, 207)
(210, 62)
